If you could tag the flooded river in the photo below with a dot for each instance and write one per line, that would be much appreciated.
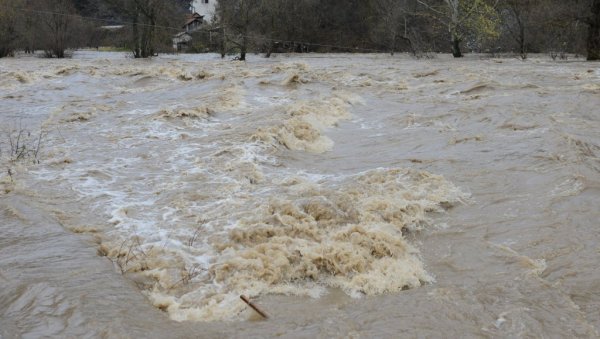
(346, 195)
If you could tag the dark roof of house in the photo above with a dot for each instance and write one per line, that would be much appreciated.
(192, 18)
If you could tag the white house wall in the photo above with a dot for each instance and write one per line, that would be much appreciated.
(205, 9)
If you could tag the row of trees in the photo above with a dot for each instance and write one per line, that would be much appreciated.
(150, 21)
(54, 26)
(416, 26)
(21, 27)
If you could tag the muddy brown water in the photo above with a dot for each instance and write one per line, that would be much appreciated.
(347, 195)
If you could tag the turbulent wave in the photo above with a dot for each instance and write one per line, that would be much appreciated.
(301, 239)
(200, 207)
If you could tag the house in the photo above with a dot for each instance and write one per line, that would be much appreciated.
(206, 8)
(200, 10)
(181, 41)
(193, 22)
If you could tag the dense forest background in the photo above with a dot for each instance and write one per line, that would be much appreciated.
(420, 27)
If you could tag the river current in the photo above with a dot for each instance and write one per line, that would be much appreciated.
(347, 195)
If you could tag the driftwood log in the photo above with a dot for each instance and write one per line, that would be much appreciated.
(254, 307)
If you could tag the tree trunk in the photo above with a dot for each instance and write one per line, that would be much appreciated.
(243, 48)
(144, 43)
(59, 37)
(223, 42)
(454, 6)
(456, 48)
(8, 35)
(144, 22)
(151, 33)
(518, 9)
(593, 40)
(521, 38)
(136, 37)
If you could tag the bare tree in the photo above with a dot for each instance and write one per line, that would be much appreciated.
(593, 39)
(57, 17)
(566, 25)
(8, 26)
(463, 18)
(391, 24)
(235, 17)
(28, 28)
(518, 19)
(150, 22)
(270, 27)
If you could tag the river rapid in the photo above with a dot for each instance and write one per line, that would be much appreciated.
(346, 195)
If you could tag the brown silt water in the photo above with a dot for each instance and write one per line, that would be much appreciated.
(344, 195)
